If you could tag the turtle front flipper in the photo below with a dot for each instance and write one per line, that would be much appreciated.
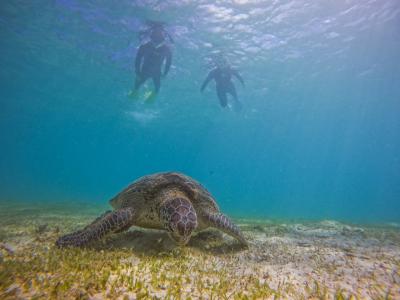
(223, 223)
(110, 222)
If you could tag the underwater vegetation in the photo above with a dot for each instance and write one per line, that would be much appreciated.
(296, 260)
(313, 133)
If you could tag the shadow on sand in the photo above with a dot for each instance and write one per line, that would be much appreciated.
(155, 243)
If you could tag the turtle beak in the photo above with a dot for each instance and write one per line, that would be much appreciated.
(180, 240)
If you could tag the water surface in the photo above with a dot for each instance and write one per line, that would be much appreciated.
(318, 136)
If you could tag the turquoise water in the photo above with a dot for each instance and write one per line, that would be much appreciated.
(319, 135)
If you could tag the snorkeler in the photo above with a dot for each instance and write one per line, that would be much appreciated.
(222, 75)
(149, 60)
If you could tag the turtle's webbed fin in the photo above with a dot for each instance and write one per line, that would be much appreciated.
(223, 223)
(97, 219)
(110, 222)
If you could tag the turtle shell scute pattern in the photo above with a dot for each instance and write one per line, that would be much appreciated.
(148, 187)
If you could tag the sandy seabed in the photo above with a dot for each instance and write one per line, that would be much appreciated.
(285, 260)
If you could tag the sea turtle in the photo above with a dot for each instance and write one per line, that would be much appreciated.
(170, 201)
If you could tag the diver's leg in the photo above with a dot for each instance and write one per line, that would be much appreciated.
(151, 96)
(232, 91)
(237, 105)
(139, 80)
(157, 83)
(221, 93)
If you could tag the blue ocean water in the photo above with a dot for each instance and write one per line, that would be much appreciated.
(319, 135)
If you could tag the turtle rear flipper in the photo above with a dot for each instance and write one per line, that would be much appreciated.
(223, 223)
(110, 222)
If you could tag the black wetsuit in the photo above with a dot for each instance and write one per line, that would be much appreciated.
(224, 84)
(149, 60)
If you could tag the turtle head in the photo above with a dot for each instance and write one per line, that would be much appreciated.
(179, 219)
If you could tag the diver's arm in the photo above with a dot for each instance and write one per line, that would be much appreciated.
(168, 57)
(139, 58)
(237, 75)
(207, 80)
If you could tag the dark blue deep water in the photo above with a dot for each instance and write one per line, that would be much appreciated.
(319, 135)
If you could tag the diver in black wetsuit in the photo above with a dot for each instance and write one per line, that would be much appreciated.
(149, 60)
(222, 75)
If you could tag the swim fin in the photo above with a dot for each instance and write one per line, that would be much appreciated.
(150, 97)
(134, 94)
